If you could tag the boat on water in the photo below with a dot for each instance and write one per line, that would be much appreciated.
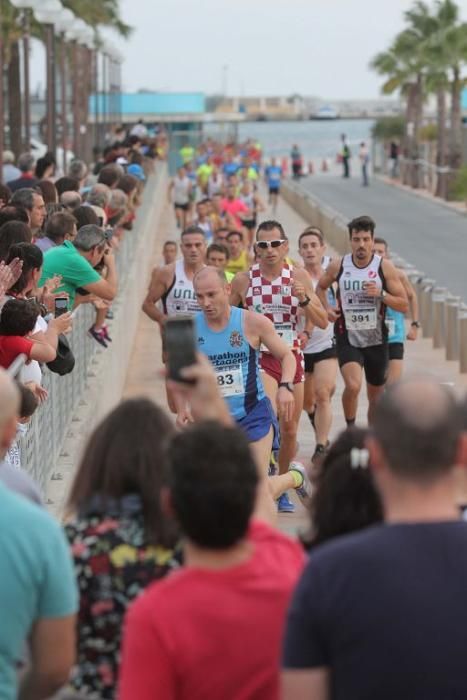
(325, 112)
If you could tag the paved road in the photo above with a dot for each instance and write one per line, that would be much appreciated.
(426, 234)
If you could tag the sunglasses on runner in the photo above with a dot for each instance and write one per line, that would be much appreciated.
(264, 245)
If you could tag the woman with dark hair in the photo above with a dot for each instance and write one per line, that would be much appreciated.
(49, 191)
(11, 233)
(5, 195)
(85, 215)
(45, 166)
(345, 499)
(120, 540)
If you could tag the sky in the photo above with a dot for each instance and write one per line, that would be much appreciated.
(316, 48)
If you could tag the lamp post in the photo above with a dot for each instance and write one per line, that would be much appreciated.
(63, 24)
(48, 13)
(26, 6)
(80, 35)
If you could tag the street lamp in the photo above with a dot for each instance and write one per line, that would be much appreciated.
(64, 22)
(47, 13)
(26, 6)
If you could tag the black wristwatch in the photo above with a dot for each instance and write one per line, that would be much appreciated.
(288, 385)
(305, 302)
(415, 324)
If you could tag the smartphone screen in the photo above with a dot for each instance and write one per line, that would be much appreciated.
(180, 344)
(61, 306)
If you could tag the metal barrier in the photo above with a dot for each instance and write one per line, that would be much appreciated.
(42, 444)
(442, 316)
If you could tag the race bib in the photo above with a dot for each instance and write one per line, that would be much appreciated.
(286, 333)
(391, 326)
(361, 320)
(230, 381)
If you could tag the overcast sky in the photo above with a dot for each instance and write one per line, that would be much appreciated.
(270, 47)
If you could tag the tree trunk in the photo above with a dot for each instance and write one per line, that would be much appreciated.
(455, 151)
(441, 182)
(409, 134)
(418, 119)
(14, 100)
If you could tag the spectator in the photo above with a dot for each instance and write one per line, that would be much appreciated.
(37, 584)
(387, 599)
(110, 175)
(79, 171)
(70, 200)
(49, 191)
(45, 166)
(99, 195)
(60, 227)
(118, 522)
(75, 263)
(67, 184)
(117, 208)
(11, 233)
(17, 320)
(234, 591)
(28, 404)
(345, 499)
(5, 195)
(169, 252)
(13, 212)
(33, 202)
(85, 215)
(10, 171)
(26, 178)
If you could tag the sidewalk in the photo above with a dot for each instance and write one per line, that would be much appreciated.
(143, 378)
(457, 207)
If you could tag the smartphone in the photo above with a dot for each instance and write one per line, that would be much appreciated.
(180, 345)
(61, 306)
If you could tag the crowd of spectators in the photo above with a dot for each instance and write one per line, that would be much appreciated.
(59, 238)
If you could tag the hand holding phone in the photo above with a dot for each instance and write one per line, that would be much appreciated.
(60, 306)
(180, 344)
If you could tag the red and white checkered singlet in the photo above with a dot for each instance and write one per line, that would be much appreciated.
(275, 300)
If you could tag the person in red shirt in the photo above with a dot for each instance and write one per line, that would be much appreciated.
(213, 629)
(17, 321)
(234, 208)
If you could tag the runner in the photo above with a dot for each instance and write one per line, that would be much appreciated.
(254, 204)
(169, 252)
(231, 338)
(275, 289)
(203, 219)
(239, 258)
(395, 320)
(173, 285)
(319, 351)
(233, 207)
(366, 286)
(273, 175)
(218, 256)
(180, 190)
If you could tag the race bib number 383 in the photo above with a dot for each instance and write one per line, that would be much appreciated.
(230, 381)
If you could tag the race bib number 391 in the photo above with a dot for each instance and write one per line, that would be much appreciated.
(361, 320)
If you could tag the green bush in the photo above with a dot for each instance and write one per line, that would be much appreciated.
(429, 132)
(388, 128)
(458, 188)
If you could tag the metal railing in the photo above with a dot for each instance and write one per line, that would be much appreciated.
(42, 444)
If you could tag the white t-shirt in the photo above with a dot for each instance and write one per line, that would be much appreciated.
(32, 371)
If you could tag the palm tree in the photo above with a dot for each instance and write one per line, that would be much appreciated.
(11, 35)
(103, 12)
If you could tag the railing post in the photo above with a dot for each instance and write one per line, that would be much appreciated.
(463, 340)
(452, 305)
(439, 329)
(426, 315)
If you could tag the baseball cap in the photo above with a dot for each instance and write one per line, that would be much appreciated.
(137, 171)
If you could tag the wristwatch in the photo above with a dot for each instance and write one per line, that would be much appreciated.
(288, 385)
(383, 294)
(415, 324)
(305, 302)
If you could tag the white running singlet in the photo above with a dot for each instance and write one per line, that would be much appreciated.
(180, 298)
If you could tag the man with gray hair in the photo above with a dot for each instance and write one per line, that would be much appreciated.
(70, 200)
(38, 597)
(79, 170)
(34, 204)
(381, 613)
(10, 171)
(99, 196)
(26, 163)
(75, 263)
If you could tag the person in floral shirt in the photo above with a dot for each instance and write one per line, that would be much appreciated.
(119, 538)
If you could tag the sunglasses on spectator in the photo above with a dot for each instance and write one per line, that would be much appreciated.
(264, 245)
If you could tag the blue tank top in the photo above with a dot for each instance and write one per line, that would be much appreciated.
(395, 324)
(235, 361)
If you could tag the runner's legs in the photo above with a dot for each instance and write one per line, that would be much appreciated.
(352, 373)
(395, 371)
(288, 446)
(324, 373)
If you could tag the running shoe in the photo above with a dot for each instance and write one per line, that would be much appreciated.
(284, 504)
(98, 336)
(320, 453)
(109, 314)
(303, 491)
(105, 333)
(273, 468)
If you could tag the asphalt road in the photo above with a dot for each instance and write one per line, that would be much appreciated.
(424, 233)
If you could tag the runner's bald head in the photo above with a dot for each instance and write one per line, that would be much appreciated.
(418, 425)
(208, 274)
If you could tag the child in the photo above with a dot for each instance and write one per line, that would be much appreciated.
(28, 405)
(17, 321)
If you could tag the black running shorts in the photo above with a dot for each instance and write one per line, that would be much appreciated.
(374, 360)
(312, 358)
(396, 351)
